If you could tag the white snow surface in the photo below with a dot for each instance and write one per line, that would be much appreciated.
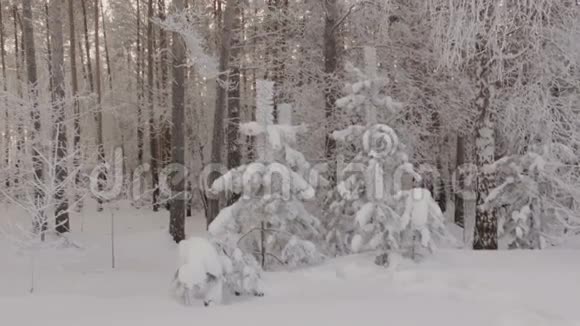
(77, 286)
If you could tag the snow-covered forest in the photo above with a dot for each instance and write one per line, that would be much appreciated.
(415, 160)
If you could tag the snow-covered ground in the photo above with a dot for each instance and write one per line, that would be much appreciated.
(77, 286)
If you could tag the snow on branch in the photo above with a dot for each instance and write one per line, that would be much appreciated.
(185, 24)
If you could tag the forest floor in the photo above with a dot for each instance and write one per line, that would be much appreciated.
(74, 284)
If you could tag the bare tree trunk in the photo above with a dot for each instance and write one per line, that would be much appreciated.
(150, 98)
(5, 88)
(88, 47)
(75, 91)
(59, 127)
(17, 52)
(232, 129)
(140, 134)
(100, 146)
(28, 36)
(106, 44)
(48, 47)
(17, 119)
(163, 62)
(177, 213)
(83, 66)
(220, 107)
(331, 61)
(460, 182)
(486, 228)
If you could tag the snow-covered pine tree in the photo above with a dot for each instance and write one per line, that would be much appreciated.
(537, 198)
(269, 221)
(368, 209)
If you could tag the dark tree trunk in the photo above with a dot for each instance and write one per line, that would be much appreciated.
(165, 143)
(232, 129)
(220, 107)
(100, 145)
(150, 98)
(140, 133)
(460, 182)
(106, 45)
(5, 89)
(177, 210)
(59, 129)
(331, 93)
(39, 195)
(88, 47)
(75, 90)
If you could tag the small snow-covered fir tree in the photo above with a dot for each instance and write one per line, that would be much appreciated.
(368, 209)
(538, 198)
(269, 221)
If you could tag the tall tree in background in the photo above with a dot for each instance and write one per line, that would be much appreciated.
(88, 47)
(233, 105)
(75, 90)
(165, 143)
(221, 103)
(48, 47)
(58, 107)
(99, 113)
(5, 89)
(106, 45)
(140, 133)
(331, 62)
(486, 227)
(177, 209)
(30, 49)
(153, 138)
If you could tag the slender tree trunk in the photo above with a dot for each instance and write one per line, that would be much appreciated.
(331, 61)
(59, 127)
(460, 182)
(5, 88)
(48, 47)
(106, 44)
(486, 228)
(83, 66)
(75, 91)
(220, 106)
(232, 129)
(177, 210)
(100, 146)
(17, 59)
(140, 134)
(39, 195)
(150, 98)
(88, 47)
(163, 62)
(17, 118)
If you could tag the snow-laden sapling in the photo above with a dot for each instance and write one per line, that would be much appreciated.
(210, 272)
(269, 220)
(370, 212)
(537, 198)
(201, 272)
